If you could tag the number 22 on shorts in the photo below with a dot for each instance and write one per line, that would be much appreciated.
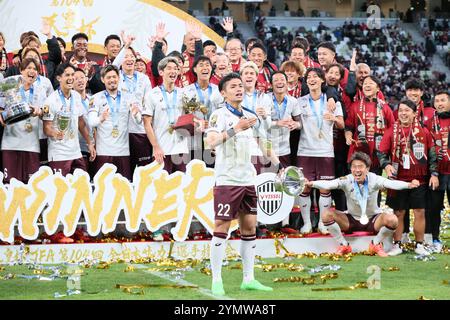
(223, 210)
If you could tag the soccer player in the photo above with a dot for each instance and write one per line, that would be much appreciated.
(285, 117)
(361, 188)
(110, 112)
(260, 103)
(209, 97)
(64, 153)
(164, 106)
(315, 150)
(138, 86)
(407, 152)
(20, 141)
(80, 83)
(230, 133)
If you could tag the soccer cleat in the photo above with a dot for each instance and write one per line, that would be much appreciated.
(437, 246)
(377, 249)
(395, 251)
(217, 288)
(306, 229)
(420, 249)
(342, 250)
(255, 285)
(322, 229)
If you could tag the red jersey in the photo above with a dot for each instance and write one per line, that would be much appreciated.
(215, 79)
(439, 128)
(187, 76)
(309, 63)
(413, 142)
(368, 122)
(155, 81)
(295, 91)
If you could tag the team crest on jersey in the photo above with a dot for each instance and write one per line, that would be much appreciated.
(419, 150)
(269, 200)
(45, 109)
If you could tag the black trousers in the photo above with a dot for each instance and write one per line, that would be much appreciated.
(435, 204)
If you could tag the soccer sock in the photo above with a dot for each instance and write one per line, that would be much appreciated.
(217, 254)
(248, 250)
(324, 203)
(335, 231)
(383, 233)
(305, 208)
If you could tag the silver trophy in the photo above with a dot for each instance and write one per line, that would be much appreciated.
(290, 181)
(15, 108)
(63, 121)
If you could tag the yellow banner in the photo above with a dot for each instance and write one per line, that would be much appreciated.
(154, 198)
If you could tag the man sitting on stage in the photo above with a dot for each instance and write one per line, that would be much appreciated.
(361, 189)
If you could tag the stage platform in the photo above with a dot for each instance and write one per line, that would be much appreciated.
(193, 249)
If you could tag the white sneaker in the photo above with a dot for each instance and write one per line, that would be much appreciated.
(307, 228)
(395, 251)
(322, 228)
(405, 238)
(420, 249)
(437, 246)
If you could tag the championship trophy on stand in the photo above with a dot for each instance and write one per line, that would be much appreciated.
(15, 105)
(189, 121)
(291, 181)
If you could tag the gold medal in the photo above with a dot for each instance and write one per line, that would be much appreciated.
(28, 127)
(115, 132)
(171, 129)
(320, 135)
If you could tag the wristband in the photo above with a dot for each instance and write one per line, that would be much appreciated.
(435, 174)
(231, 133)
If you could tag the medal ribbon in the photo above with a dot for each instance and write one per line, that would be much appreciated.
(85, 104)
(115, 110)
(200, 94)
(280, 113)
(63, 101)
(170, 106)
(30, 97)
(322, 109)
(131, 85)
(363, 196)
(238, 113)
(253, 105)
